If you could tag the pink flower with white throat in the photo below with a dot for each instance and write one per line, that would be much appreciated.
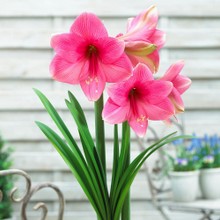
(138, 99)
(143, 40)
(89, 57)
(180, 84)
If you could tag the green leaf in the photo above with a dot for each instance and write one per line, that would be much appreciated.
(72, 143)
(60, 124)
(81, 173)
(135, 166)
(92, 157)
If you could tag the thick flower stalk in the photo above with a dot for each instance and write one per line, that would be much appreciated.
(143, 40)
(89, 57)
(180, 84)
(139, 99)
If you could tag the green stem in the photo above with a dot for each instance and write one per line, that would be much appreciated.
(100, 131)
(125, 213)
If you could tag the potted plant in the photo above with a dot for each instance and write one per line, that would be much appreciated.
(6, 182)
(209, 147)
(184, 176)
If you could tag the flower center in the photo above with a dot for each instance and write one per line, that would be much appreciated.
(133, 93)
(91, 50)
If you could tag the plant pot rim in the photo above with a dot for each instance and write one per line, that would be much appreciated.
(184, 173)
(211, 170)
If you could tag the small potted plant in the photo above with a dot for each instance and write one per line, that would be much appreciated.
(184, 176)
(210, 170)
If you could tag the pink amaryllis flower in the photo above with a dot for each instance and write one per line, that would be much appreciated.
(138, 99)
(143, 40)
(180, 84)
(88, 56)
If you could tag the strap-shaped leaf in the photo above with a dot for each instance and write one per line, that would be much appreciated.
(60, 124)
(135, 166)
(79, 172)
(90, 152)
(72, 143)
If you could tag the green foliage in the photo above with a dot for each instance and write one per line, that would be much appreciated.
(186, 157)
(86, 164)
(208, 148)
(6, 182)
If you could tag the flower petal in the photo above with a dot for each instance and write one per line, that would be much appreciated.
(68, 46)
(139, 127)
(151, 60)
(117, 71)
(158, 38)
(119, 93)
(89, 26)
(160, 111)
(114, 114)
(173, 71)
(139, 48)
(142, 72)
(93, 87)
(147, 19)
(157, 91)
(110, 49)
(67, 72)
(177, 101)
(181, 83)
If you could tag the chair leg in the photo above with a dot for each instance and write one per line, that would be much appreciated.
(163, 213)
(206, 215)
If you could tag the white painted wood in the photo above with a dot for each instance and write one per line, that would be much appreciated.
(107, 8)
(25, 28)
(40, 39)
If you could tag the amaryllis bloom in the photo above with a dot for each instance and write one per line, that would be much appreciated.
(180, 84)
(143, 40)
(138, 99)
(88, 56)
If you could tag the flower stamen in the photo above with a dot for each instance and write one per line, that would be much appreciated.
(91, 50)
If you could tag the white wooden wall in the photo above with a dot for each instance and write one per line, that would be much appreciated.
(193, 34)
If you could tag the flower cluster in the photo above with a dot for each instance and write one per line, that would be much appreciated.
(208, 150)
(198, 153)
(88, 56)
(186, 156)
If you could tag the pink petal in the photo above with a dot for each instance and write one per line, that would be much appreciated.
(181, 83)
(147, 19)
(119, 93)
(117, 71)
(142, 34)
(142, 72)
(139, 127)
(157, 91)
(151, 60)
(177, 101)
(158, 38)
(173, 71)
(93, 86)
(67, 72)
(110, 49)
(89, 26)
(114, 114)
(160, 111)
(68, 46)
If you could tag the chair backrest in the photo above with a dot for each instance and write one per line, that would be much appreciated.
(156, 167)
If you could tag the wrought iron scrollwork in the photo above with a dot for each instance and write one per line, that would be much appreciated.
(30, 191)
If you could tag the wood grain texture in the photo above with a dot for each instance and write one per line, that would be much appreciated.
(26, 26)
